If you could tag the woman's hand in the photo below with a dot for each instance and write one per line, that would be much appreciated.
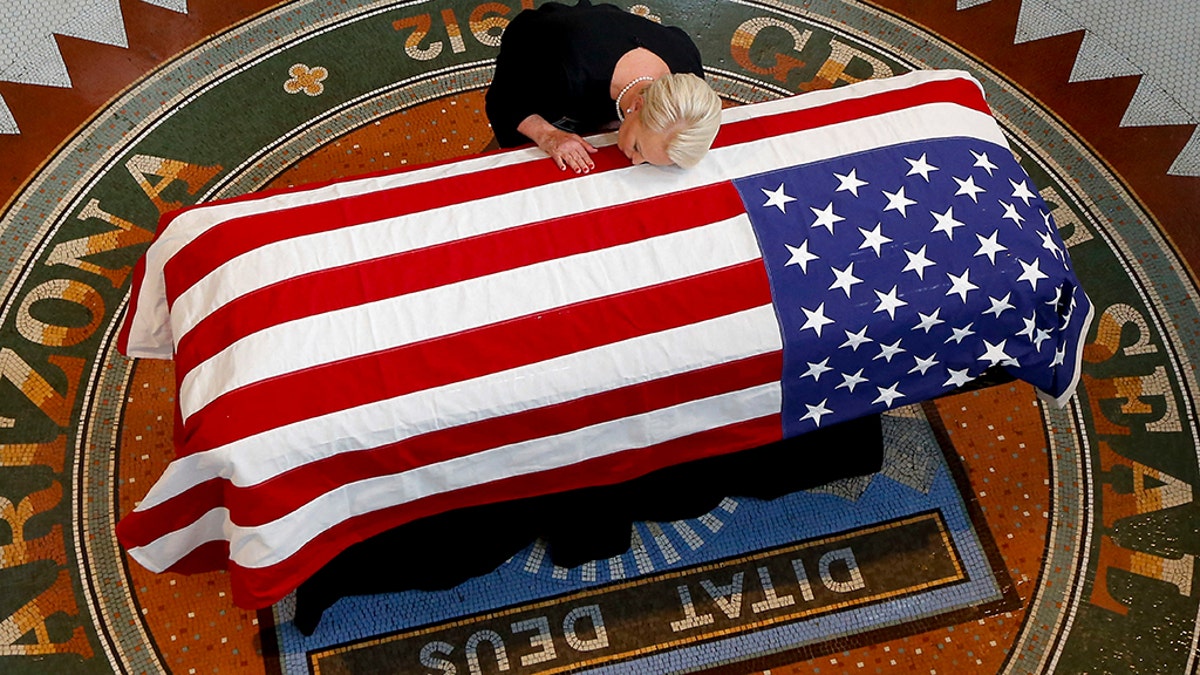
(566, 149)
(569, 150)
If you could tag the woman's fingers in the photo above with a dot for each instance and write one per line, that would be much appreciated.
(576, 160)
(573, 152)
(588, 150)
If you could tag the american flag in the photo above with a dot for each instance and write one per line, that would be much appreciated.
(354, 356)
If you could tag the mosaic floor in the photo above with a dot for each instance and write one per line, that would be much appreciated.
(1001, 536)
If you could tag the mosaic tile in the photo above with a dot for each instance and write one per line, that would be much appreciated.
(1024, 483)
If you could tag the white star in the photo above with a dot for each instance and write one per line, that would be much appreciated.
(777, 198)
(888, 302)
(982, 161)
(924, 364)
(920, 166)
(1059, 355)
(886, 352)
(873, 239)
(850, 182)
(989, 246)
(1066, 318)
(1010, 213)
(1042, 336)
(1031, 272)
(1046, 220)
(946, 222)
(994, 353)
(961, 285)
(998, 306)
(815, 319)
(1021, 191)
(851, 381)
(898, 202)
(886, 396)
(1049, 244)
(816, 412)
(853, 340)
(957, 378)
(825, 217)
(800, 256)
(1030, 326)
(917, 262)
(845, 278)
(929, 320)
(960, 333)
(969, 188)
(815, 370)
(1057, 296)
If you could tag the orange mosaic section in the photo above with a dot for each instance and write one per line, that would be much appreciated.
(36, 388)
(50, 454)
(445, 128)
(999, 436)
(191, 618)
(54, 335)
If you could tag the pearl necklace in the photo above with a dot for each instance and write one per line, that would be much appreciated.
(621, 115)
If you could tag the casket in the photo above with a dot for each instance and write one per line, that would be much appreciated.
(358, 355)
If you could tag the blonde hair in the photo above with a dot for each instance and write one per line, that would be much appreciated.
(687, 111)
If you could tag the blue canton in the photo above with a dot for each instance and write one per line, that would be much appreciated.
(903, 273)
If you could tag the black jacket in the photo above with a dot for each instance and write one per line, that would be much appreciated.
(557, 61)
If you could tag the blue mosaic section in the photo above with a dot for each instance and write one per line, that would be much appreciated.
(914, 480)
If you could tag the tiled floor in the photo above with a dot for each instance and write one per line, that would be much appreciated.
(1083, 519)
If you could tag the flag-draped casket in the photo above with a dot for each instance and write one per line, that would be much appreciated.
(354, 356)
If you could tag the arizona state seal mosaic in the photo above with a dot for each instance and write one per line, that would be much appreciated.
(1000, 535)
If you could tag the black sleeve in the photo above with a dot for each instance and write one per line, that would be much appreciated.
(528, 80)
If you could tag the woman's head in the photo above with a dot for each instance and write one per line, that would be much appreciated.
(672, 121)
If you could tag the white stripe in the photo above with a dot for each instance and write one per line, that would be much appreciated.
(150, 321)
(444, 310)
(150, 335)
(258, 458)
(283, 260)
(160, 554)
(272, 543)
(864, 89)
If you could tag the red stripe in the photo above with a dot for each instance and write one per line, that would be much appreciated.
(452, 262)
(258, 504)
(237, 236)
(207, 557)
(958, 91)
(326, 388)
(166, 219)
(240, 235)
(254, 588)
(139, 528)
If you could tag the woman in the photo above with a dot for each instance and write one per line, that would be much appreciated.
(564, 71)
